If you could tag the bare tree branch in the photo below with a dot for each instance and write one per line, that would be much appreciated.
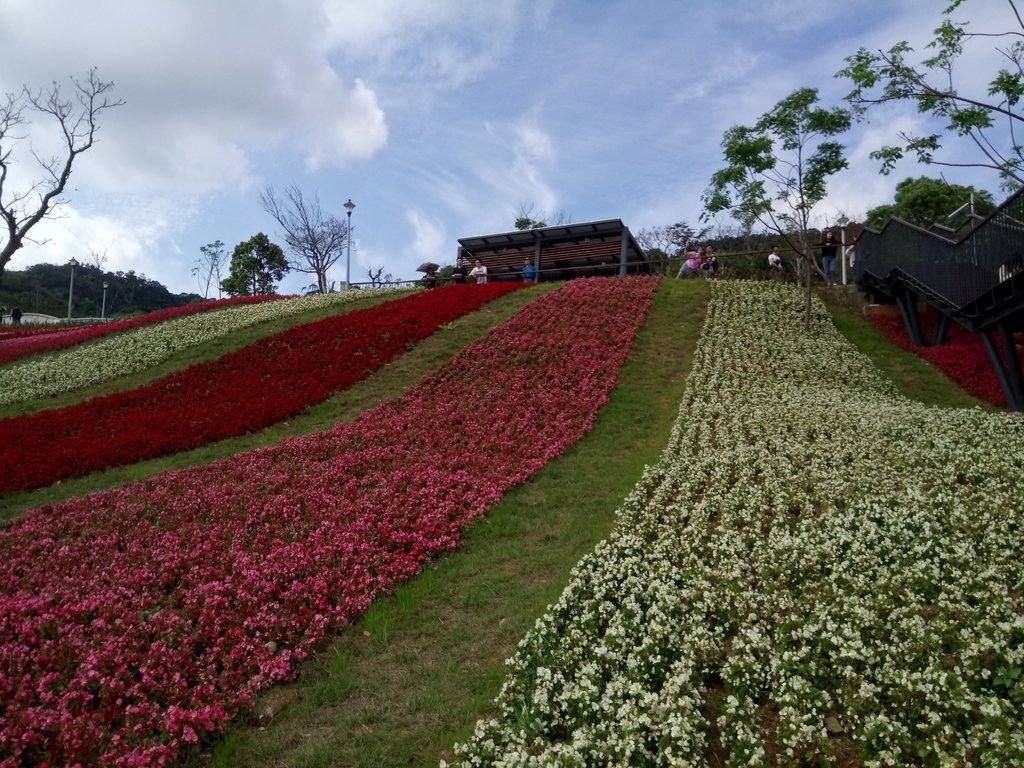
(77, 121)
(315, 239)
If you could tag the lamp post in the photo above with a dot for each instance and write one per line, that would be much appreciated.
(348, 246)
(103, 307)
(842, 221)
(71, 287)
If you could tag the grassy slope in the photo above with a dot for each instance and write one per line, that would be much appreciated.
(413, 676)
(197, 354)
(401, 686)
(915, 377)
(390, 381)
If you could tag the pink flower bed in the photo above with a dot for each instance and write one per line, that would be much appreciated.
(211, 401)
(25, 340)
(136, 620)
(962, 357)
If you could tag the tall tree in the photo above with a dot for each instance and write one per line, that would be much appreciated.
(316, 239)
(663, 243)
(989, 117)
(924, 202)
(777, 171)
(255, 266)
(210, 266)
(75, 119)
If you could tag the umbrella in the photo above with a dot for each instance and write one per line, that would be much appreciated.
(426, 266)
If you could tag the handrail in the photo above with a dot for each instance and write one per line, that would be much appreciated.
(956, 274)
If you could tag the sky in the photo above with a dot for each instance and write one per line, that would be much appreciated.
(438, 119)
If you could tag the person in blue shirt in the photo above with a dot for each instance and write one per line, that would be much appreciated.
(529, 271)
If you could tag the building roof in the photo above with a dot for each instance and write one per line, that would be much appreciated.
(578, 249)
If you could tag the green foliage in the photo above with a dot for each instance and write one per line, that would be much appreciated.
(777, 170)
(525, 222)
(43, 288)
(988, 120)
(256, 265)
(925, 201)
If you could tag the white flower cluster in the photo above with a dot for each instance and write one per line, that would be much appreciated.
(815, 567)
(141, 348)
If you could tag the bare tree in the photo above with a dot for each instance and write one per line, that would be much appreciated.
(663, 243)
(209, 267)
(98, 257)
(376, 279)
(317, 240)
(24, 206)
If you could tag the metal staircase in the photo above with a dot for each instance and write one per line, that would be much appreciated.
(976, 281)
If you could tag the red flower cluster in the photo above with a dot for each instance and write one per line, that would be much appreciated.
(962, 357)
(29, 341)
(134, 620)
(248, 389)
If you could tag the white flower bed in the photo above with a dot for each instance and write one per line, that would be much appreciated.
(816, 565)
(147, 346)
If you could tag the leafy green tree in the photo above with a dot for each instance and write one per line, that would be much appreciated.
(777, 171)
(924, 201)
(990, 120)
(255, 266)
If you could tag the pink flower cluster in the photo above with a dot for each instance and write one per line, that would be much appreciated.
(26, 340)
(136, 620)
(962, 357)
(211, 401)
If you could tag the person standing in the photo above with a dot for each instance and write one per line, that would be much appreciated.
(430, 277)
(460, 271)
(709, 263)
(3, 313)
(829, 250)
(16, 315)
(529, 271)
(691, 261)
(775, 264)
(479, 271)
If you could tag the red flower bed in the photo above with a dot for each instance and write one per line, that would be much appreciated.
(135, 620)
(239, 392)
(21, 342)
(962, 357)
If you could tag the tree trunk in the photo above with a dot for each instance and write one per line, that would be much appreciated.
(807, 308)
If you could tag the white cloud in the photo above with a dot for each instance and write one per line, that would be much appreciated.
(439, 119)
(430, 239)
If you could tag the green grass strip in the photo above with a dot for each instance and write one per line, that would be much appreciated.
(390, 381)
(401, 686)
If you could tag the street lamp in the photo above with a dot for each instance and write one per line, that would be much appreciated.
(103, 307)
(71, 287)
(348, 247)
(842, 221)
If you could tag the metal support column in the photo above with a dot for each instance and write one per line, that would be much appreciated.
(1000, 368)
(907, 303)
(1012, 361)
(941, 330)
(536, 260)
(623, 250)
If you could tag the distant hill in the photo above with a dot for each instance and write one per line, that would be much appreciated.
(44, 288)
